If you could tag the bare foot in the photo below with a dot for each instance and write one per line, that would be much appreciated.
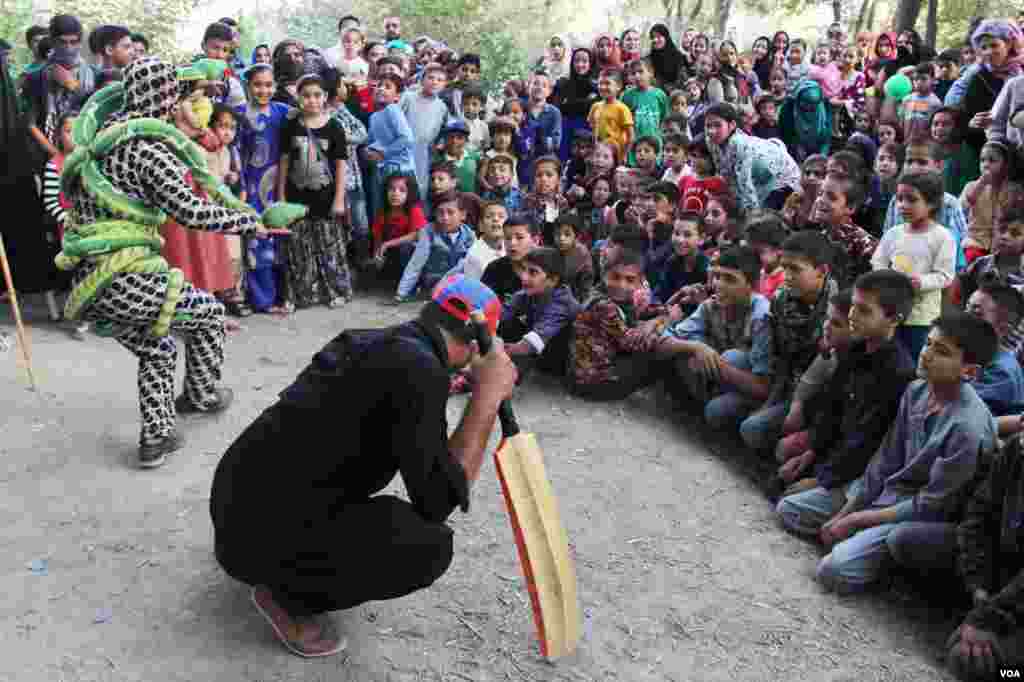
(304, 637)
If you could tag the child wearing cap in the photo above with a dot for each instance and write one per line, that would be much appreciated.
(454, 137)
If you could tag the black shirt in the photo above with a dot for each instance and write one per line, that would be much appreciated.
(501, 276)
(338, 436)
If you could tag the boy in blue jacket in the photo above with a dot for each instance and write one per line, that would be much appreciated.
(440, 247)
(537, 322)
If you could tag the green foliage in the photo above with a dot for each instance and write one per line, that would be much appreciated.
(15, 18)
(158, 20)
(314, 30)
(252, 35)
(955, 16)
(502, 59)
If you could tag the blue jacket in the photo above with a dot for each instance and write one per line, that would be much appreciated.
(545, 316)
(534, 132)
(391, 135)
(435, 254)
(1001, 385)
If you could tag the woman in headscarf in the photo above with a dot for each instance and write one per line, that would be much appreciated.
(606, 53)
(574, 95)
(805, 122)
(629, 45)
(761, 53)
(1001, 46)
(728, 84)
(556, 61)
(882, 53)
(665, 57)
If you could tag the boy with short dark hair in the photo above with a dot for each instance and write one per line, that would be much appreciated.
(687, 265)
(767, 126)
(648, 103)
(903, 507)
(441, 245)
(473, 102)
(580, 149)
(608, 358)
(949, 71)
(798, 313)
(541, 128)
(116, 51)
(721, 355)
(537, 321)
(857, 407)
(1001, 382)
(579, 265)
(675, 160)
(218, 40)
(610, 119)
(917, 107)
(499, 173)
(645, 152)
(504, 275)
(838, 200)
(1004, 265)
(467, 76)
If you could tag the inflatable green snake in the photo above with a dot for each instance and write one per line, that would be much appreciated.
(130, 241)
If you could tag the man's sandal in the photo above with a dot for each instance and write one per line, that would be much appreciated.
(327, 644)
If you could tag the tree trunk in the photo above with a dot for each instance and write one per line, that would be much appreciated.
(869, 23)
(678, 29)
(932, 30)
(837, 11)
(724, 12)
(695, 12)
(907, 13)
(861, 16)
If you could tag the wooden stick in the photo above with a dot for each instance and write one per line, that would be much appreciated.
(22, 336)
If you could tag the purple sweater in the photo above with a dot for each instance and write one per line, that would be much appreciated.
(544, 315)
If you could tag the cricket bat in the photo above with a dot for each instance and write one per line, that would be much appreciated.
(541, 539)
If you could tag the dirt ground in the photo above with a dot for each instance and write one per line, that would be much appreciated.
(108, 572)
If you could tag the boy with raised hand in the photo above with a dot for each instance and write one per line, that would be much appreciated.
(798, 316)
(721, 355)
(857, 407)
(903, 507)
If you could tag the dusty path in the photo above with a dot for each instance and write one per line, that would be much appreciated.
(107, 572)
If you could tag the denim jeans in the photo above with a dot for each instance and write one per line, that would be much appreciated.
(763, 429)
(928, 548)
(805, 513)
(856, 563)
(730, 406)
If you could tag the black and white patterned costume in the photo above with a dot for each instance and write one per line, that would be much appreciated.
(146, 169)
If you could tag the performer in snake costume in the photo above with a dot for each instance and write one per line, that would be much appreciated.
(131, 170)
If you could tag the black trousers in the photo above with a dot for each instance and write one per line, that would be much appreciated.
(634, 371)
(368, 551)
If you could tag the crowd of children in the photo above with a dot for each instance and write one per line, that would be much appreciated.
(820, 247)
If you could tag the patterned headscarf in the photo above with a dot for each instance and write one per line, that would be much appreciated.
(1007, 31)
(150, 90)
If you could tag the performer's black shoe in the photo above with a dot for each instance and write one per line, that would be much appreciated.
(154, 453)
(225, 396)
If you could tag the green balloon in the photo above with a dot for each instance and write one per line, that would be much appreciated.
(898, 87)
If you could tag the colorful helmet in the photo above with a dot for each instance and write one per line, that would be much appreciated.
(461, 296)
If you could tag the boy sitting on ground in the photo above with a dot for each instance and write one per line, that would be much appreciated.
(721, 355)
(902, 507)
(857, 408)
(687, 266)
(1001, 383)
(608, 358)
(798, 315)
(440, 246)
(579, 265)
(765, 232)
(537, 322)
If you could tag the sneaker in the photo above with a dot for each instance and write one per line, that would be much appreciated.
(153, 453)
(225, 396)
(313, 642)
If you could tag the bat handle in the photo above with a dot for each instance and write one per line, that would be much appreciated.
(509, 425)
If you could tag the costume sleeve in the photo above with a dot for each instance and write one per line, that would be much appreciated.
(411, 274)
(163, 181)
(51, 193)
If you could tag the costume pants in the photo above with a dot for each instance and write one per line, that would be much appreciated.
(375, 549)
(132, 303)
